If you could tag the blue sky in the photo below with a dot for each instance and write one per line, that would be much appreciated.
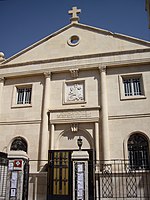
(24, 22)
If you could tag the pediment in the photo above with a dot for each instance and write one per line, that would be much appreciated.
(77, 40)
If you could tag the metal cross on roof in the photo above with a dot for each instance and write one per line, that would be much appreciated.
(74, 12)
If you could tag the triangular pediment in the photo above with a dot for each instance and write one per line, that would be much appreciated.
(90, 41)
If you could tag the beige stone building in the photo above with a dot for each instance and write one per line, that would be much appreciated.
(79, 82)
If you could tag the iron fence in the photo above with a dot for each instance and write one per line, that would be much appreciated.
(117, 179)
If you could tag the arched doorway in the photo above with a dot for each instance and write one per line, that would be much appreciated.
(60, 165)
(68, 139)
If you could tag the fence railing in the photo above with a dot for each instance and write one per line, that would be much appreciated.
(117, 179)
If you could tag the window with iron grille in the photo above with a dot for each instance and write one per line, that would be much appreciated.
(19, 144)
(132, 86)
(24, 95)
(138, 151)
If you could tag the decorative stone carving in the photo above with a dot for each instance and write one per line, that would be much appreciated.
(2, 79)
(74, 73)
(74, 92)
(2, 57)
(74, 115)
(102, 68)
(48, 74)
(74, 127)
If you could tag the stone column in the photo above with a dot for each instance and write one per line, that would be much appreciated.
(1, 90)
(97, 141)
(104, 114)
(52, 137)
(44, 139)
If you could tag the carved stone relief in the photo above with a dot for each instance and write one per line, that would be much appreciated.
(74, 92)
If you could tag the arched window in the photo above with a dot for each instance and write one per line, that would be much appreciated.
(138, 150)
(19, 144)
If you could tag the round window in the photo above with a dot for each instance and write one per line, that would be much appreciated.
(73, 40)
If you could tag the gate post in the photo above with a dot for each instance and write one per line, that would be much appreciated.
(80, 174)
(17, 180)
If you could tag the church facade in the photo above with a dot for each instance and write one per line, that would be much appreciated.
(80, 84)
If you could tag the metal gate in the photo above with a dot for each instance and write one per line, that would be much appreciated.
(60, 175)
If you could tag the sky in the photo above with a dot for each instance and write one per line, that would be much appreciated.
(24, 22)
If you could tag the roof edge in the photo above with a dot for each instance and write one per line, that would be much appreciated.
(36, 43)
(119, 35)
(99, 30)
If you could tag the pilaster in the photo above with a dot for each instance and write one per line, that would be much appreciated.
(44, 137)
(104, 114)
(97, 141)
(52, 136)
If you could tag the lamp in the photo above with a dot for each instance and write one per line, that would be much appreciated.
(79, 142)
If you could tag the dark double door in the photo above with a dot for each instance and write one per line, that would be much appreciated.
(60, 175)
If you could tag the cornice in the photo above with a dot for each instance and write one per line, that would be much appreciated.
(20, 122)
(75, 120)
(74, 109)
(84, 64)
(116, 117)
(95, 65)
(35, 62)
(117, 35)
(38, 43)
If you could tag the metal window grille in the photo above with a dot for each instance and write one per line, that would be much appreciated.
(19, 144)
(138, 151)
(132, 87)
(24, 95)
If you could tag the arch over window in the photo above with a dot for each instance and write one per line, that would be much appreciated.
(19, 144)
(138, 151)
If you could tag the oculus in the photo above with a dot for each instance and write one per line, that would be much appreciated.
(73, 40)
